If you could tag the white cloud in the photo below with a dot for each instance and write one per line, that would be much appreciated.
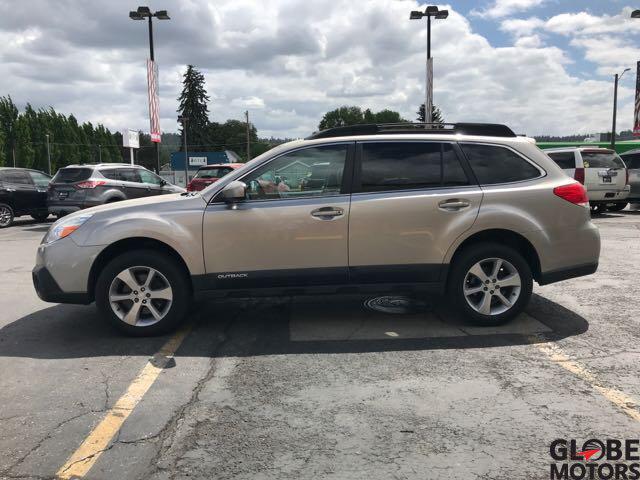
(503, 8)
(290, 69)
(583, 23)
(520, 27)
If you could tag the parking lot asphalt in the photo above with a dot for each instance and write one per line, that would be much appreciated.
(318, 387)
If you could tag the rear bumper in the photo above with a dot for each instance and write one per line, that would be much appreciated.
(566, 273)
(597, 197)
(49, 291)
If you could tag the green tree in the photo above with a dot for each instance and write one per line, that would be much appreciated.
(24, 150)
(341, 117)
(388, 116)
(193, 106)
(436, 114)
(8, 119)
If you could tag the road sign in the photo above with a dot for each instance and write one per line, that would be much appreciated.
(130, 139)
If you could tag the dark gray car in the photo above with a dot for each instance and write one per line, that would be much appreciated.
(632, 160)
(82, 186)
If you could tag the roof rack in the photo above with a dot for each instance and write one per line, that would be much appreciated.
(479, 129)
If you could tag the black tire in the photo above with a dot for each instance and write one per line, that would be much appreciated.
(172, 272)
(598, 209)
(6, 215)
(617, 207)
(40, 216)
(469, 257)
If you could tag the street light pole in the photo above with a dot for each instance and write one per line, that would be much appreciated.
(183, 121)
(615, 106)
(140, 14)
(246, 113)
(48, 154)
(431, 11)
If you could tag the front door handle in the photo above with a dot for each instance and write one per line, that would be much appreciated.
(453, 204)
(327, 213)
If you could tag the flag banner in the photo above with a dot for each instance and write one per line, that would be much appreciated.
(636, 117)
(154, 108)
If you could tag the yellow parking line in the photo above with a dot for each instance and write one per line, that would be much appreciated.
(98, 440)
(620, 399)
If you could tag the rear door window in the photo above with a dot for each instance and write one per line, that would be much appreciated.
(129, 175)
(494, 164)
(564, 160)
(16, 177)
(40, 179)
(601, 160)
(388, 166)
(72, 175)
(111, 174)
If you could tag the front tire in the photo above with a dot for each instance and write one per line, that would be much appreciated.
(6, 215)
(490, 284)
(143, 293)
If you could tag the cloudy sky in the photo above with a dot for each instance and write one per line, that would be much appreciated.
(541, 66)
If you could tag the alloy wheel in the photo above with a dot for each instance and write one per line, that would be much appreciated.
(140, 296)
(5, 216)
(492, 286)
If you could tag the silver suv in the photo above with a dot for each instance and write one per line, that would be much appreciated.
(469, 210)
(77, 187)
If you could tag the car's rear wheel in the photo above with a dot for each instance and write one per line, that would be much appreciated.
(6, 215)
(40, 216)
(143, 293)
(617, 207)
(490, 283)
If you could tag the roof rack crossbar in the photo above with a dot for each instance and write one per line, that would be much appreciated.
(479, 129)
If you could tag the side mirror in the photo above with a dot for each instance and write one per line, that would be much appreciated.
(234, 192)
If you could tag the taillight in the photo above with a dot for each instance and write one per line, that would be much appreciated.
(579, 175)
(573, 193)
(90, 184)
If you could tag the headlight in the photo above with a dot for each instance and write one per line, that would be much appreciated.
(65, 227)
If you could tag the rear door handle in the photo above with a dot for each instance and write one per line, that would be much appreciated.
(453, 204)
(327, 213)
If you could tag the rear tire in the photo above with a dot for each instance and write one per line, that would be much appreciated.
(486, 296)
(617, 207)
(136, 305)
(6, 215)
(598, 209)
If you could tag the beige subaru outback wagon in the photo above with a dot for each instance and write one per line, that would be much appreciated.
(467, 210)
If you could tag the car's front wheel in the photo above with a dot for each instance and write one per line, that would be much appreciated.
(6, 215)
(490, 283)
(143, 293)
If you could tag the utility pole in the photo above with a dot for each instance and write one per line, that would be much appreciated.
(246, 113)
(615, 107)
(48, 154)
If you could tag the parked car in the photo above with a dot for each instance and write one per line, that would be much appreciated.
(209, 174)
(22, 192)
(632, 161)
(600, 170)
(77, 187)
(469, 210)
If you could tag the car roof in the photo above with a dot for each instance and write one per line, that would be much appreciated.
(631, 152)
(21, 168)
(103, 165)
(581, 148)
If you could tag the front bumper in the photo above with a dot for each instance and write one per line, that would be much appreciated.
(49, 291)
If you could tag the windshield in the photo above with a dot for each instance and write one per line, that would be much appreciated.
(602, 160)
(213, 172)
(71, 175)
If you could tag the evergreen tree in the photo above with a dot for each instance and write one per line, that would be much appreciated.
(8, 119)
(436, 114)
(193, 105)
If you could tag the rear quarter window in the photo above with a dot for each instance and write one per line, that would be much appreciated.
(494, 164)
(72, 175)
(632, 161)
(564, 160)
